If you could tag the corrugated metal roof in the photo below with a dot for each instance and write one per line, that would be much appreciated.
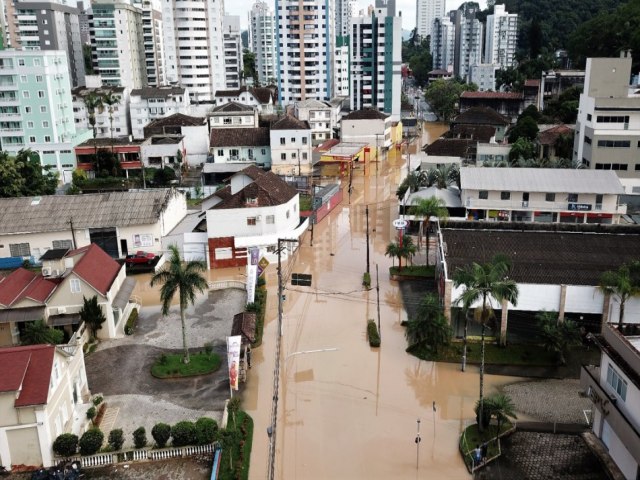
(561, 180)
(53, 212)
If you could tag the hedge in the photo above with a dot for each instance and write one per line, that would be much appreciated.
(140, 437)
(65, 445)
(183, 433)
(373, 334)
(206, 430)
(130, 326)
(91, 441)
(161, 432)
(116, 439)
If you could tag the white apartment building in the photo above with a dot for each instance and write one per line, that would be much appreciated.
(345, 9)
(118, 120)
(342, 70)
(426, 12)
(148, 104)
(291, 147)
(117, 44)
(376, 51)
(306, 39)
(193, 46)
(35, 108)
(323, 118)
(501, 37)
(262, 41)
(52, 25)
(483, 75)
(608, 125)
(469, 38)
(443, 44)
(153, 43)
(233, 64)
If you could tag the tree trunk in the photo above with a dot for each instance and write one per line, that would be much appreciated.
(464, 347)
(621, 318)
(481, 409)
(184, 335)
(427, 242)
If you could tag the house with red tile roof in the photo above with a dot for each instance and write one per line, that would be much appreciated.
(56, 293)
(43, 393)
(509, 104)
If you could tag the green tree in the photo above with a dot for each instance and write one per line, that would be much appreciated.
(407, 248)
(93, 103)
(249, 62)
(557, 336)
(523, 148)
(38, 332)
(229, 438)
(526, 127)
(485, 283)
(88, 60)
(429, 329)
(501, 407)
(443, 96)
(426, 208)
(12, 183)
(183, 278)
(39, 180)
(443, 176)
(91, 314)
(393, 251)
(623, 283)
(110, 100)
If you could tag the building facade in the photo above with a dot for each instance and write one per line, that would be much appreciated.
(323, 118)
(342, 78)
(426, 12)
(107, 123)
(233, 65)
(149, 104)
(152, 37)
(291, 147)
(501, 38)
(345, 9)
(262, 33)
(468, 41)
(484, 76)
(443, 44)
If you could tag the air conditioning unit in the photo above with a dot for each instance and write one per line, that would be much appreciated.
(55, 273)
(46, 272)
(62, 310)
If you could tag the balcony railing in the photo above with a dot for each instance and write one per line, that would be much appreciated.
(476, 203)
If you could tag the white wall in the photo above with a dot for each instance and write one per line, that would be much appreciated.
(291, 148)
(196, 143)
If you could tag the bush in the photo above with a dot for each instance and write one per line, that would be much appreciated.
(65, 445)
(261, 281)
(91, 413)
(208, 348)
(252, 307)
(206, 430)
(97, 400)
(140, 437)
(372, 333)
(183, 433)
(161, 432)
(366, 279)
(130, 326)
(91, 441)
(116, 439)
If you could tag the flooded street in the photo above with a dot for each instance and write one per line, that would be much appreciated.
(351, 413)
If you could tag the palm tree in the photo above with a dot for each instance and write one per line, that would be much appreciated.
(427, 208)
(444, 175)
(484, 283)
(557, 336)
(38, 332)
(502, 408)
(110, 100)
(623, 283)
(429, 329)
(186, 279)
(93, 102)
(392, 251)
(407, 249)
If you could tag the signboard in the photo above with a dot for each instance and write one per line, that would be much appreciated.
(580, 207)
(252, 277)
(302, 279)
(400, 224)
(233, 360)
(262, 264)
(255, 255)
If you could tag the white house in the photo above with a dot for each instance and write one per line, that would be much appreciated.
(253, 211)
(119, 222)
(150, 103)
(43, 393)
(367, 126)
(119, 115)
(233, 115)
(291, 146)
(162, 150)
(323, 118)
(239, 145)
(264, 99)
(194, 130)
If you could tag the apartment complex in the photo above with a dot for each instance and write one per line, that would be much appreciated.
(443, 44)
(153, 44)
(426, 12)
(232, 51)
(468, 39)
(52, 26)
(262, 41)
(306, 39)
(35, 108)
(343, 12)
(501, 38)
(193, 46)
(608, 126)
(342, 68)
(149, 104)
(376, 44)
(117, 44)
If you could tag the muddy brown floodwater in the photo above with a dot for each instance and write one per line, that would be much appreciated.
(352, 413)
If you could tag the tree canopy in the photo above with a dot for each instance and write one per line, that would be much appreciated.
(417, 53)
(24, 176)
(444, 95)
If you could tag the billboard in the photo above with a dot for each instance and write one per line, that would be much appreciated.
(233, 360)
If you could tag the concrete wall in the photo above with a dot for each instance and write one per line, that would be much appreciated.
(196, 143)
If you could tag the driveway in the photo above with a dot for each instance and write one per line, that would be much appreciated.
(120, 368)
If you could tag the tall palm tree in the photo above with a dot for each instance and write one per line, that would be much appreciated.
(110, 100)
(186, 279)
(427, 208)
(429, 328)
(444, 175)
(93, 102)
(485, 283)
(407, 249)
(623, 283)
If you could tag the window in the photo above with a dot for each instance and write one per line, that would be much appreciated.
(616, 383)
(220, 152)
(25, 94)
(27, 109)
(263, 151)
(614, 143)
(505, 195)
(293, 139)
(36, 61)
(573, 198)
(251, 221)
(74, 283)
(43, 109)
(612, 119)
(21, 62)
(587, 140)
(47, 139)
(599, 198)
(29, 124)
(304, 155)
(270, 219)
(304, 140)
(287, 213)
(283, 156)
(45, 124)
(39, 78)
(32, 139)
(550, 197)
(20, 249)
(62, 244)
(282, 140)
(483, 194)
(525, 196)
(589, 117)
(23, 78)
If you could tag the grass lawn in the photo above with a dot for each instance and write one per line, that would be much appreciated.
(472, 437)
(172, 366)
(305, 202)
(241, 451)
(414, 271)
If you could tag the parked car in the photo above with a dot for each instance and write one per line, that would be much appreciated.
(140, 257)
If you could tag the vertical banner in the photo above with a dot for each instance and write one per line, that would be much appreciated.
(233, 359)
(255, 255)
(252, 277)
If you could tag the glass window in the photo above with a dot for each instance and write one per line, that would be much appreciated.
(283, 156)
(483, 194)
(74, 283)
(282, 140)
(270, 219)
(573, 198)
(616, 382)
(304, 140)
(251, 221)
(550, 197)
(19, 249)
(505, 195)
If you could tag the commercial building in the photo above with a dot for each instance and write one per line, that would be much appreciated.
(501, 38)
(426, 12)
(262, 41)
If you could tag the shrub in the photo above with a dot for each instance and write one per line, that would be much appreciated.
(161, 432)
(91, 413)
(206, 430)
(183, 433)
(252, 307)
(116, 439)
(65, 445)
(97, 400)
(261, 281)
(91, 441)
(130, 326)
(140, 437)
(372, 333)
(208, 348)
(366, 279)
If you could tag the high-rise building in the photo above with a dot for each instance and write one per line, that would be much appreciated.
(426, 12)
(344, 10)
(117, 44)
(390, 5)
(83, 20)
(262, 41)
(501, 38)
(306, 47)
(376, 50)
(193, 46)
(443, 44)
(342, 67)
(468, 48)
(11, 36)
(35, 109)
(153, 43)
(232, 51)
(52, 25)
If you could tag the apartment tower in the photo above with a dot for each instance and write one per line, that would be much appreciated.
(501, 38)
(262, 41)
(426, 12)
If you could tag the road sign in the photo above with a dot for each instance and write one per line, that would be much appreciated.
(302, 279)
(400, 224)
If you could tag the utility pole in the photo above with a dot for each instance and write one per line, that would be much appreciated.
(378, 300)
(367, 214)
(73, 233)
(350, 179)
(418, 440)
(313, 210)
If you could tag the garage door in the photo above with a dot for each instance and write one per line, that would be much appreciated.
(106, 238)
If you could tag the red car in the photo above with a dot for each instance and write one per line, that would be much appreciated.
(140, 257)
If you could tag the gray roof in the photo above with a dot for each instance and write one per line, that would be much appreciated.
(312, 103)
(561, 180)
(53, 212)
(450, 196)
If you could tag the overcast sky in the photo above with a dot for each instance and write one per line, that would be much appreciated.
(407, 7)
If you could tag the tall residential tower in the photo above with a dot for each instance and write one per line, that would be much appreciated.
(426, 12)
(501, 38)
(262, 41)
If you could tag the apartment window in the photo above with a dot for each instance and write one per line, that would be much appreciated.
(612, 119)
(270, 219)
(293, 139)
(45, 124)
(23, 78)
(25, 94)
(226, 121)
(282, 140)
(74, 283)
(287, 213)
(21, 62)
(615, 381)
(505, 195)
(589, 117)
(263, 151)
(32, 139)
(36, 61)
(550, 197)
(47, 139)
(43, 109)
(304, 155)
(27, 109)
(251, 221)
(283, 156)
(29, 124)
(587, 140)
(220, 152)
(599, 198)
(573, 198)
(62, 244)
(614, 143)
(483, 194)
(20, 249)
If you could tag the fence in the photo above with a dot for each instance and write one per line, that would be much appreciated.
(224, 284)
